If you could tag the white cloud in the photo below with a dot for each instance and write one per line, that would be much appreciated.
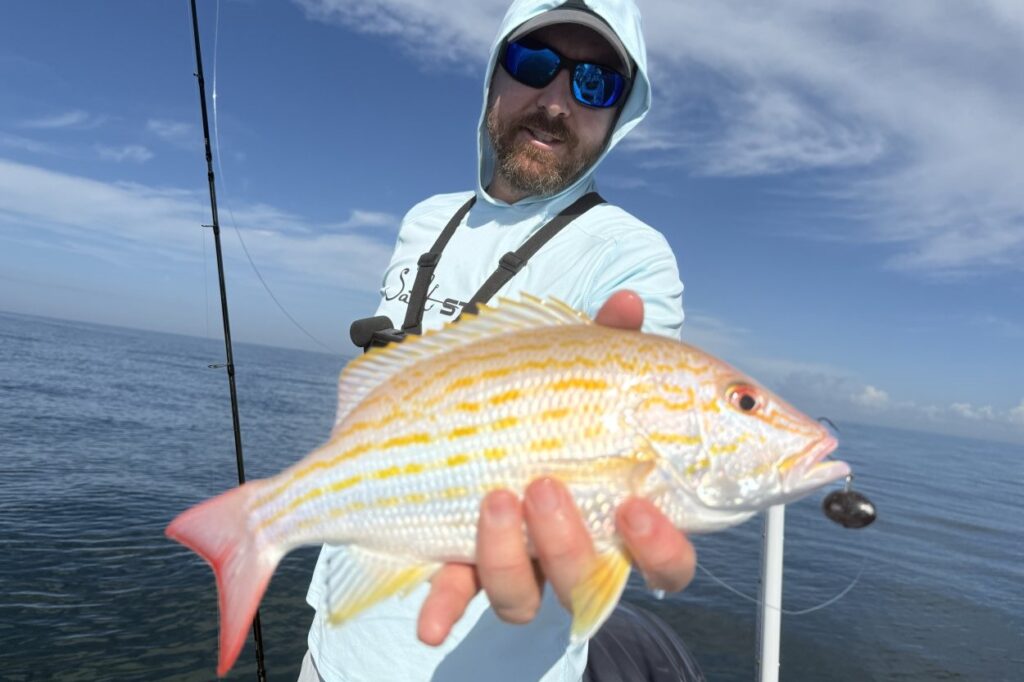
(918, 102)
(175, 132)
(448, 31)
(76, 119)
(779, 133)
(713, 334)
(964, 410)
(919, 97)
(871, 398)
(983, 413)
(359, 218)
(114, 219)
(1017, 414)
(27, 144)
(647, 138)
(131, 152)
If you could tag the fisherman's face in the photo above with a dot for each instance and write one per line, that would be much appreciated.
(544, 139)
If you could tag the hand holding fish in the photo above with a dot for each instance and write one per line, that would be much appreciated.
(504, 568)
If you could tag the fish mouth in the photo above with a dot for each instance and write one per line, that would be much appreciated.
(810, 469)
(824, 447)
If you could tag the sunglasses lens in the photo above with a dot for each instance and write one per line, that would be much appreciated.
(536, 66)
(596, 86)
(533, 67)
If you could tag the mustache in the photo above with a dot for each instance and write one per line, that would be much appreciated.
(554, 127)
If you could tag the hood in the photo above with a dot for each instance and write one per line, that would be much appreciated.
(624, 18)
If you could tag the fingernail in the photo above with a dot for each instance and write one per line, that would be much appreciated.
(639, 521)
(544, 496)
(500, 510)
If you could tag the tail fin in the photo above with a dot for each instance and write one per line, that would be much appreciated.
(218, 530)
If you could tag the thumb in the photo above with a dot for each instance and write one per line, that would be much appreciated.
(623, 310)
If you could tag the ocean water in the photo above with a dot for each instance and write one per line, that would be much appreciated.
(107, 433)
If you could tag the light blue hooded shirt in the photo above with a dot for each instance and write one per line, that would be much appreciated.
(604, 250)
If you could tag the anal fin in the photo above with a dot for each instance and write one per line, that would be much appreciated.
(360, 578)
(597, 594)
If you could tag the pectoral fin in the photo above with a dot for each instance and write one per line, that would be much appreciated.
(597, 594)
(362, 578)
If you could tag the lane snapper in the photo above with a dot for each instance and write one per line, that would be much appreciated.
(426, 428)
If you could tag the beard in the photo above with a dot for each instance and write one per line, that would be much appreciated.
(535, 171)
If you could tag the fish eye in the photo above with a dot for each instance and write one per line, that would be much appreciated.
(743, 398)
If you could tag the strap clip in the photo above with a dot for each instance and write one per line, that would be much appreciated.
(511, 262)
(429, 260)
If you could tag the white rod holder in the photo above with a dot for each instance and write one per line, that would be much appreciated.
(770, 630)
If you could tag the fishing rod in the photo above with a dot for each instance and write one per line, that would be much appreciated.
(261, 672)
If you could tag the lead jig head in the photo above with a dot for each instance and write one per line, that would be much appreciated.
(849, 508)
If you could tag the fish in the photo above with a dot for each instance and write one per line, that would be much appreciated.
(527, 388)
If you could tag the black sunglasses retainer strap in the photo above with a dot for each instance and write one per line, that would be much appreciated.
(509, 265)
(425, 271)
(514, 261)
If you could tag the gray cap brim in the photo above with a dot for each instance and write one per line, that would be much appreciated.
(583, 18)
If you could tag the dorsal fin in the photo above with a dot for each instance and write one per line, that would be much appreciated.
(372, 369)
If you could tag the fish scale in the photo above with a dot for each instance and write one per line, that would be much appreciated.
(582, 367)
(427, 428)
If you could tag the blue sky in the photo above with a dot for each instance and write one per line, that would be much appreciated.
(841, 185)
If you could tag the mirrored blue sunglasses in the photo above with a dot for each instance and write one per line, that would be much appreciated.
(535, 65)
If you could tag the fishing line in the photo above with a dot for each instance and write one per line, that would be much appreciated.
(787, 612)
(202, 228)
(206, 285)
(660, 594)
(227, 204)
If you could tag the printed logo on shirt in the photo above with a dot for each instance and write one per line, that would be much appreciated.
(450, 307)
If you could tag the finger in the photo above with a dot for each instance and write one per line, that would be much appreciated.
(451, 589)
(663, 554)
(560, 540)
(623, 310)
(505, 569)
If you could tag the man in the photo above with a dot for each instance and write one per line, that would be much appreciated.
(565, 84)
